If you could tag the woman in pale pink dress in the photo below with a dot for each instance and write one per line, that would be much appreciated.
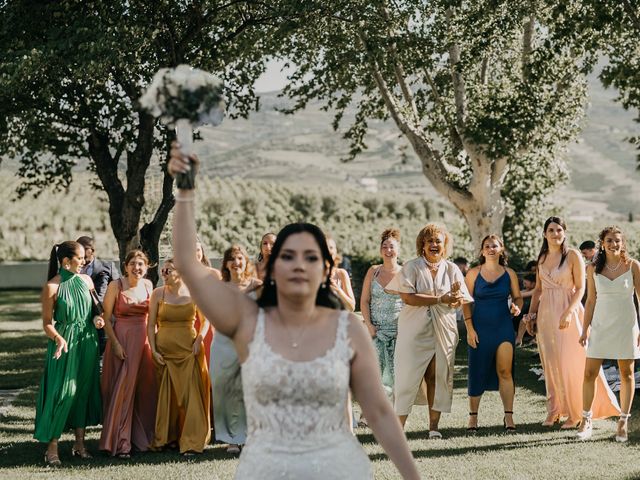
(129, 387)
(557, 314)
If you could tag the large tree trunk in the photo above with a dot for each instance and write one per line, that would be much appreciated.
(125, 205)
(150, 232)
(481, 203)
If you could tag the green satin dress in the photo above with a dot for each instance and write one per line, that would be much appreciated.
(69, 395)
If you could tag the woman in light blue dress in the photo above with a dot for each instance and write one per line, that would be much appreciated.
(381, 309)
(229, 415)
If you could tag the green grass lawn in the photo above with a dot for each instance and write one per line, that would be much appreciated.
(533, 452)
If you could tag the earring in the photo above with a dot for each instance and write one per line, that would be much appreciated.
(272, 282)
(66, 267)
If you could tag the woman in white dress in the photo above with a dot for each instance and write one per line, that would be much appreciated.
(614, 333)
(299, 357)
(431, 288)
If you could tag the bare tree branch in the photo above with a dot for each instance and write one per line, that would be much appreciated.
(457, 79)
(527, 45)
(399, 70)
(432, 163)
(632, 13)
(484, 70)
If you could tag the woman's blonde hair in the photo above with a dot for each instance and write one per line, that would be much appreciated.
(432, 230)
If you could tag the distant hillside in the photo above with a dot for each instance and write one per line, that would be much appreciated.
(301, 154)
(303, 147)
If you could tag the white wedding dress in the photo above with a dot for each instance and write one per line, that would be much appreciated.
(296, 413)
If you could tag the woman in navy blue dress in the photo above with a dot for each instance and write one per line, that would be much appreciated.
(490, 333)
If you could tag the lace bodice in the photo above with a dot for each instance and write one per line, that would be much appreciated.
(296, 400)
(296, 413)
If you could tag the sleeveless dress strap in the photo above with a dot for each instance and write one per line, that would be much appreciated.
(376, 272)
(258, 334)
(343, 345)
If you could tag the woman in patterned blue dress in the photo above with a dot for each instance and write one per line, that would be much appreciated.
(490, 332)
(381, 309)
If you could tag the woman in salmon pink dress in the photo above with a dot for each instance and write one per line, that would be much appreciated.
(129, 387)
(557, 313)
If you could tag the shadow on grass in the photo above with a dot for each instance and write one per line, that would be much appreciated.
(487, 448)
(25, 360)
(18, 297)
(31, 453)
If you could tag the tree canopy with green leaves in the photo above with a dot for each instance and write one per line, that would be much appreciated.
(485, 93)
(71, 74)
(608, 29)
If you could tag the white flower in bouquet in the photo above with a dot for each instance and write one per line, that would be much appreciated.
(185, 97)
(184, 93)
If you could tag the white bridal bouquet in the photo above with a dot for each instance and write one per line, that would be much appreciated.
(184, 98)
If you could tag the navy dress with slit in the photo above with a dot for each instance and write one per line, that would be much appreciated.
(492, 322)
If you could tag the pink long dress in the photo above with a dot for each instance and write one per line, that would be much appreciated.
(563, 358)
(129, 386)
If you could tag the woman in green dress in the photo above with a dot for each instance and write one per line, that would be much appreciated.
(69, 395)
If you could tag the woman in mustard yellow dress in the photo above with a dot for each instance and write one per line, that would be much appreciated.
(182, 416)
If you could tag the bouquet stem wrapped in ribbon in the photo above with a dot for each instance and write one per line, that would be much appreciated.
(184, 98)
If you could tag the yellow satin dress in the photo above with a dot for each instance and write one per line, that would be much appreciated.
(184, 396)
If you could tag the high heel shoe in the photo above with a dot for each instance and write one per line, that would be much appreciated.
(569, 424)
(587, 426)
(80, 453)
(472, 429)
(508, 428)
(624, 417)
(52, 460)
(551, 420)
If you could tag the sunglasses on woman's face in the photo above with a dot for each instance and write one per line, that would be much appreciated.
(166, 271)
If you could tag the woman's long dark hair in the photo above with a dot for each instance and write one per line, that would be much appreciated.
(325, 296)
(545, 245)
(60, 251)
(503, 260)
(601, 257)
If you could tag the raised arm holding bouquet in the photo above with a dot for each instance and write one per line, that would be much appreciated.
(184, 98)
(300, 356)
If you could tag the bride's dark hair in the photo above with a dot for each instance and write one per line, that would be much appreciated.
(325, 296)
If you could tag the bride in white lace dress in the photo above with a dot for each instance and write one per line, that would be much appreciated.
(299, 356)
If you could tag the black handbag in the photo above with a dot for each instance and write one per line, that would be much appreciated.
(96, 306)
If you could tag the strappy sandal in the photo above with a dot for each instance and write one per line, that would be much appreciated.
(624, 417)
(508, 428)
(551, 420)
(586, 429)
(52, 460)
(80, 453)
(472, 429)
(435, 434)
